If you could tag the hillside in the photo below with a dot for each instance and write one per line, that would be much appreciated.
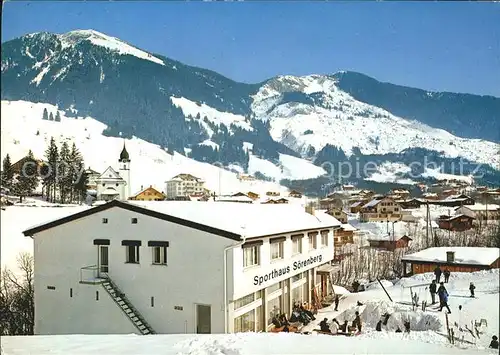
(23, 128)
(213, 119)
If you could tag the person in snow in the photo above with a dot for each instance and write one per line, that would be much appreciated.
(471, 289)
(307, 312)
(323, 326)
(437, 273)
(337, 299)
(443, 297)
(343, 327)
(441, 289)
(433, 291)
(378, 327)
(446, 274)
(494, 342)
(334, 327)
(357, 322)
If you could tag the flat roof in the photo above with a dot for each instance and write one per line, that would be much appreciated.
(463, 255)
(227, 219)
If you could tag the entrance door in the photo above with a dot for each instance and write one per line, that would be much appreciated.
(324, 285)
(203, 319)
(103, 260)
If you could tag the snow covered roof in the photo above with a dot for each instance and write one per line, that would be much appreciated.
(356, 204)
(372, 203)
(463, 255)
(347, 227)
(481, 207)
(227, 219)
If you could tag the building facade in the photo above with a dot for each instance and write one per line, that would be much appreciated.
(176, 267)
(381, 210)
(148, 194)
(184, 185)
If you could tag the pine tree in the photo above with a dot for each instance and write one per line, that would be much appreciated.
(58, 117)
(45, 114)
(51, 157)
(64, 172)
(27, 180)
(51, 117)
(79, 179)
(7, 173)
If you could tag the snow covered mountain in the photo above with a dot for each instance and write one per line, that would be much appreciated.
(246, 127)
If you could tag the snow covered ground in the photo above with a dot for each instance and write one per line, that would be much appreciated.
(23, 129)
(426, 335)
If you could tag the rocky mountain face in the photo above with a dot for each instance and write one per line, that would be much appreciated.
(215, 119)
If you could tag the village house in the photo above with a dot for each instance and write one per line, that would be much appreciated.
(457, 223)
(171, 267)
(148, 194)
(246, 177)
(295, 194)
(111, 184)
(344, 235)
(275, 201)
(272, 193)
(454, 201)
(389, 243)
(92, 177)
(18, 166)
(402, 193)
(239, 197)
(382, 210)
(184, 185)
(253, 195)
(356, 206)
(455, 259)
(411, 203)
(340, 215)
(481, 212)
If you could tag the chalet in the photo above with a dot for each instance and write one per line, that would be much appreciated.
(246, 177)
(382, 210)
(390, 244)
(92, 177)
(486, 212)
(344, 235)
(295, 194)
(455, 201)
(340, 215)
(272, 201)
(272, 193)
(411, 203)
(18, 166)
(234, 198)
(455, 259)
(457, 223)
(348, 187)
(148, 194)
(403, 193)
(253, 195)
(429, 196)
(356, 206)
(328, 203)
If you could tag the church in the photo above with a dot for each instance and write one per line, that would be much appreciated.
(111, 185)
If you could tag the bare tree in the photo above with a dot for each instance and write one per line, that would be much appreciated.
(17, 307)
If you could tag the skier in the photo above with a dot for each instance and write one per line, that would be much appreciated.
(437, 273)
(446, 274)
(443, 298)
(334, 327)
(433, 291)
(471, 289)
(494, 342)
(337, 299)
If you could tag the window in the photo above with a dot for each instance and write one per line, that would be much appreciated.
(273, 309)
(251, 255)
(312, 240)
(243, 301)
(105, 220)
(274, 288)
(324, 238)
(277, 246)
(245, 322)
(297, 243)
(160, 255)
(297, 277)
(134, 220)
(132, 254)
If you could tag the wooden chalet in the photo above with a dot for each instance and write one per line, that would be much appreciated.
(340, 215)
(272, 193)
(253, 195)
(390, 244)
(454, 201)
(344, 235)
(455, 259)
(275, 201)
(17, 167)
(148, 194)
(380, 210)
(458, 223)
(356, 206)
(295, 194)
(411, 203)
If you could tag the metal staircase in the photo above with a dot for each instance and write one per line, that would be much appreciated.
(126, 306)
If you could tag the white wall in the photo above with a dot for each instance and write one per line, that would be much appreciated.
(193, 275)
(244, 278)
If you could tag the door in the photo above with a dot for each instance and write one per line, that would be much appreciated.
(103, 259)
(203, 319)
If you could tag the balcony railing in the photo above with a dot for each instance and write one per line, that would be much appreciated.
(91, 275)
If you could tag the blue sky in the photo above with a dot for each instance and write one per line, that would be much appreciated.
(445, 46)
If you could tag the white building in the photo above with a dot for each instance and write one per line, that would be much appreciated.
(177, 267)
(184, 185)
(111, 184)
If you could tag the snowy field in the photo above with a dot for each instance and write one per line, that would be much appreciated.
(426, 335)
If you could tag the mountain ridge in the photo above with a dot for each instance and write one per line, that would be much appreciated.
(212, 118)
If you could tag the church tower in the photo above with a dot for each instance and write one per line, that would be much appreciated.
(124, 170)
